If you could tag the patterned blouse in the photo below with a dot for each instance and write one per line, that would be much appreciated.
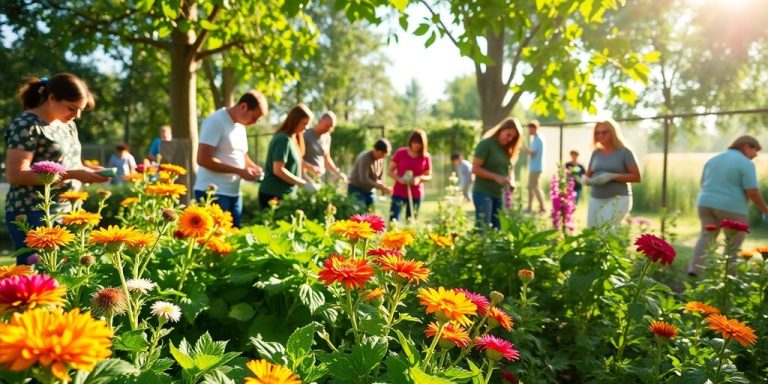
(53, 142)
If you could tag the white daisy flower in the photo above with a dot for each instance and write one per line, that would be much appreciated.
(166, 310)
(140, 285)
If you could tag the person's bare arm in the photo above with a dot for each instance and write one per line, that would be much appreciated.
(278, 168)
(206, 159)
(18, 170)
(479, 171)
(632, 177)
(754, 195)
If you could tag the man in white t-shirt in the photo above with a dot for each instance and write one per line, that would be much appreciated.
(223, 152)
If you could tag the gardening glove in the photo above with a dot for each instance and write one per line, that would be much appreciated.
(408, 177)
(310, 187)
(603, 178)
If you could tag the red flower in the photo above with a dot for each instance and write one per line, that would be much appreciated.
(509, 377)
(655, 248)
(737, 226)
(710, 227)
(377, 223)
(380, 252)
(480, 301)
(663, 329)
(497, 316)
(496, 348)
(411, 270)
(352, 273)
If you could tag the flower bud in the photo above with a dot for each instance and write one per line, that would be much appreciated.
(104, 193)
(33, 259)
(170, 214)
(87, 260)
(108, 302)
(496, 297)
(526, 275)
(212, 188)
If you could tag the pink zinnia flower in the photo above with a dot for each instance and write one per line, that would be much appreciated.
(734, 225)
(655, 248)
(379, 252)
(496, 348)
(377, 223)
(480, 301)
(19, 293)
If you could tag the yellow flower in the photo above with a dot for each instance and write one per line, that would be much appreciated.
(113, 236)
(221, 219)
(134, 177)
(174, 169)
(47, 239)
(81, 217)
(15, 270)
(73, 196)
(397, 239)
(141, 240)
(352, 230)
(268, 373)
(129, 201)
(447, 304)
(441, 241)
(61, 341)
(195, 221)
(218, 244)
(699, 307)
(173, 190)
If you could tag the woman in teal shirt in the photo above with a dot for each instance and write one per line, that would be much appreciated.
(494, 156)
(282, 170)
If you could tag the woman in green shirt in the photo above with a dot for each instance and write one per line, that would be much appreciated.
(282, 170)
(494, 156)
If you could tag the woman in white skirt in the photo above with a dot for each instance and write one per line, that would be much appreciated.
(611, 169)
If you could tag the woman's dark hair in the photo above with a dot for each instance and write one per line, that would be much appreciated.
(63, 86)
(419, 135)
(513, 148)
(291, 123)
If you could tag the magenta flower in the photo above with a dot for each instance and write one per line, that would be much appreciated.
(495, 348)
(19, 293)
(655, 248)
(381, 252)
(734, 226)
(48, 171)
(377, 223)
(480, 301)
(563, 197)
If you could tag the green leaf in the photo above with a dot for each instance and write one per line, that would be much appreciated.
(397, 368)
(458, 373)
(182, 358)
(204, 362)
(169, 11)
(132, 341)
(313, 299)
(340, 367)
(300, 342)
(217, 377)
(430, 40)
(652, 57)
(242, 312)
(421, 377)
(105, 372)
(636, 311)
(408, 346)
(421, 30)
(270, 350)
(368, 354)
(399, 4)
(208, 25)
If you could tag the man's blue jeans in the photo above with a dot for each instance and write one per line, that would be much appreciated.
(232, 204)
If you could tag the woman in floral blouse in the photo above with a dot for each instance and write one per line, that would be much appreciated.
(45, 130)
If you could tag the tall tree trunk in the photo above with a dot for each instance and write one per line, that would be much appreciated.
(490, 82)
(228, 86)
(184, 99)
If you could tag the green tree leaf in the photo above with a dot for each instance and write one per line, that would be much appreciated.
(182, 358)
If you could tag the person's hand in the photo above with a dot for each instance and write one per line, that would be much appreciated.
(310, 187)
(248, 174)
(603, 178)
(416, 180)
(586, 180)
(501, 180)
(343, 177)
(385, 189)
(87, 176)
(313, 169)
(407, 179)
(258, 171)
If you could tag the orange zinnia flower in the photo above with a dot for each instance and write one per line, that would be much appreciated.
(352, 273)
(173, 190)
(15, 270)
(61, 341)
(114, 237)
(195, 221)
(353, 230)
(24, 292)
(134, 177)
(73, 196)
(141, 240)
(732, 329)
(699, 307)
(218, 244)
(374, 294)
(397, 239)
(221, 219)
(129, 201)
(268, 373)
(497, 316)
(747, 254)
(441, 241)
(452, 333)
(763, 251)
(174, 169)
(81, 217)
(447, 304)
(48, 239)
(411, 270)
(663, 329)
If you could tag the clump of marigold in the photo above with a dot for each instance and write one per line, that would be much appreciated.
(699, 307)
(80, 218)
(134, 177)
(48, 239)
(452, 334)
(352, 273)
(19, 293)
(441, 241)
(218, 245)
(7, 271)
(73, 196)
(265, 372)
(655, 248)
(58, 340)
(747, 254)
(663, 329)
(222, 219)
(397, 239)
(732, 329)
(447, 305)
(763, 251)
(353, 230)
(195, 221)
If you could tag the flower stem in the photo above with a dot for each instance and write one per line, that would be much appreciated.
(352, 317)
(185, 263)
(440, 325)
(720, 361)
(490, 372)
(134, 320)
(627, 318)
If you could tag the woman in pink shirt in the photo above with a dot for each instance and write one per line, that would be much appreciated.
(410, 166)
